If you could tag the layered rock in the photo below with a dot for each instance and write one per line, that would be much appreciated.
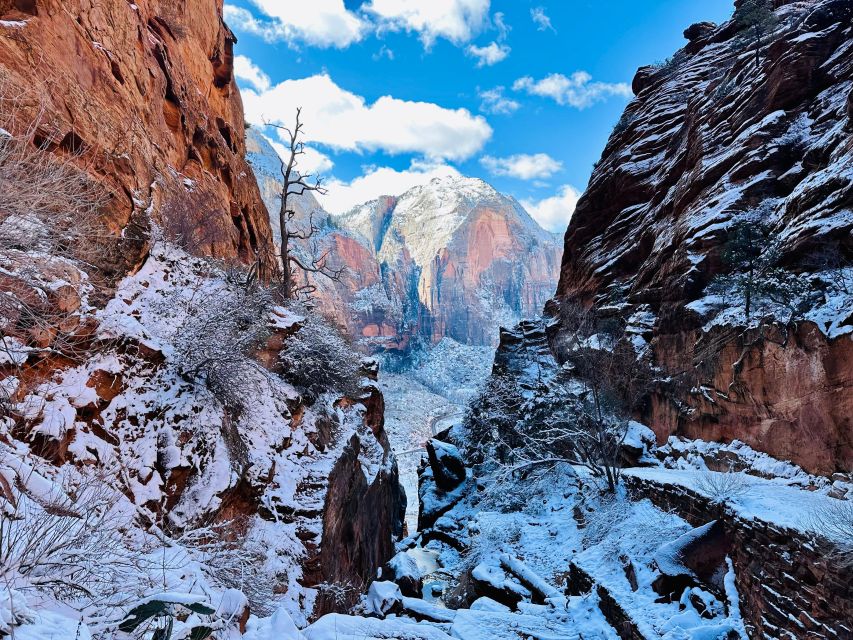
(144, 94)
(711, 139)
(453, 258)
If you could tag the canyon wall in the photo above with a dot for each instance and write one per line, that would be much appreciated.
(144, 95)
(719, 136)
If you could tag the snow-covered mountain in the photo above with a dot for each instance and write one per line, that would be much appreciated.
(452, 258)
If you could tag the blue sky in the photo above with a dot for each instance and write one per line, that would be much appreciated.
(521, 93)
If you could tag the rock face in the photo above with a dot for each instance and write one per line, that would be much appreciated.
(787, 586)
(144, 93)
(712, 139)
(453, 258)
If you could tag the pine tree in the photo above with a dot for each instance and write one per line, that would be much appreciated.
(757, 17)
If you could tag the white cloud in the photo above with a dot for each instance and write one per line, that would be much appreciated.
(543, 22)
(455, 20)
(380, 181)
(522, 166)
(321, 23)
(491, 54)
(343, 120)
(384, 52)
(555, 212)
(578, 90)
(501, 25)
(248, 71)
(494, 101)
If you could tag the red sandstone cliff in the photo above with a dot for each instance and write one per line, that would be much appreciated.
(145, 93)
(141, 96)
(712, 138)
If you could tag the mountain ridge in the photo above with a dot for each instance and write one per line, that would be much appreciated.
(450, 258)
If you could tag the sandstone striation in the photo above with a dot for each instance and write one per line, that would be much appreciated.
(712, 138)
(144, 94)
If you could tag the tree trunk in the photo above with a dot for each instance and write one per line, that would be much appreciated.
(286, 284)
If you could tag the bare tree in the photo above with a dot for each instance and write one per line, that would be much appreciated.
(580, 416)
(295, 184)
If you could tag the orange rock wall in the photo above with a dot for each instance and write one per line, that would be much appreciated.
(145, 93)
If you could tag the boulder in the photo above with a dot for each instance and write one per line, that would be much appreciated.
(403, 571)
(383, 598)
(699, 30)
(448, 468)
(696, 558)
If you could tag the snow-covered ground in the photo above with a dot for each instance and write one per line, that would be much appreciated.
(427, 398)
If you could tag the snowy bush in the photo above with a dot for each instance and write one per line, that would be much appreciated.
(722, 487)
(67, 540)
(234, 558)
(318, 359)
(50, 226)
(214, 344)
(834, 521)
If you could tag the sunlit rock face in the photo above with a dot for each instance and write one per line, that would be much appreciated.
(144, 93)
(453, 258)
(711, 138)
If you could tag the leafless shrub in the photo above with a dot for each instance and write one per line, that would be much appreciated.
(50, 227)
(214, 344)
(68, 543)
(834, 521)
(48, 202)
(341, 596)
(722, 486)
(604, 515)
(195, 223)
(234, 558)
(317, 358)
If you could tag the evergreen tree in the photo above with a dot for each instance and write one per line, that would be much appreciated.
(758, 19)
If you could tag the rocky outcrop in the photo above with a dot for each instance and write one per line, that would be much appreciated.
(713, 139)
(143, 93)
(788, 585)
(453, 258)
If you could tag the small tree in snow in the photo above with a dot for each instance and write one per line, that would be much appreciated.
(752, 253)
(295, 184)
(757, 17)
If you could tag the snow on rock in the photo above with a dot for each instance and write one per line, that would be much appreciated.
(382, 598)
(714, 140)
(765, 499)
(340, 627)
(403, 570)
(448, 468)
